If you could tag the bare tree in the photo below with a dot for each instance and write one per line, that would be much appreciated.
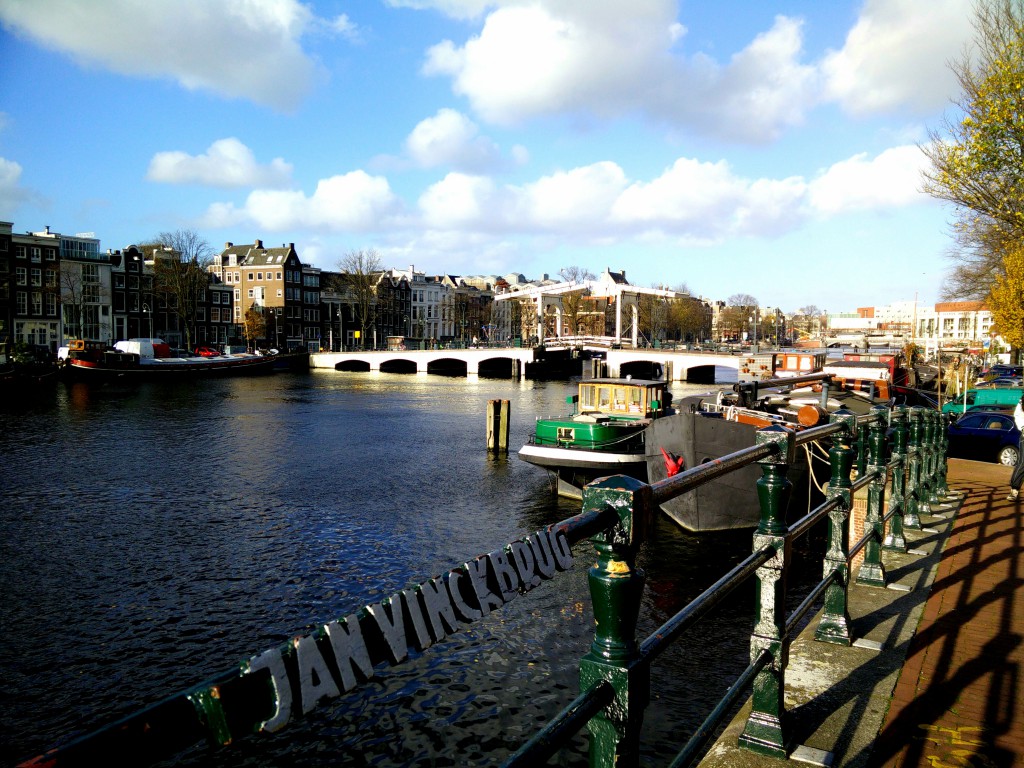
(180, 262)
(360, 273)
(574, 301)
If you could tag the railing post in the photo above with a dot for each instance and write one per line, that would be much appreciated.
(834, 625)
(894, 538)
(943, 451)
(616, 587)
(927, 459)
(939, 488)
(862, 440)
(766, 731)
(871, 570)
(912, 519)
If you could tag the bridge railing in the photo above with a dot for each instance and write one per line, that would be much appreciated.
(264, 693)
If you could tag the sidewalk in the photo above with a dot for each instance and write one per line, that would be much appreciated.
(936, 674)
(960, 698)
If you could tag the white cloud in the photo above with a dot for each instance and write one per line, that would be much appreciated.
(227, 163)
(549, 57)
(891, 180)
(247, 49)
(353, 202)
(12, 194)
(449, 138)
(895, 56)
(690, 202)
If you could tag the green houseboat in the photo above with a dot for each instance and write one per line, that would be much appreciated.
(604, 434)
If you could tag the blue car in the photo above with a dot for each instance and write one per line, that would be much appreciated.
(984, 436)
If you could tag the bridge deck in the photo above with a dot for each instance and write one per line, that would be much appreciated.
(947, 687)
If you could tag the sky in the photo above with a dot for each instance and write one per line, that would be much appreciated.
(734, 147)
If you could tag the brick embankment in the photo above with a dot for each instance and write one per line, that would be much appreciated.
(936, 675)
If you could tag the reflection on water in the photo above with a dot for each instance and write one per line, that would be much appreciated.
(155, 536)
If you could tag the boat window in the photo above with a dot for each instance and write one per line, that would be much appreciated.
(636, 400)
(604, 398)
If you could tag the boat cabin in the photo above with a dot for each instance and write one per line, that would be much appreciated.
(622, 398)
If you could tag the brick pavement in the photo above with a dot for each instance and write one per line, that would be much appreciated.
(959, 700)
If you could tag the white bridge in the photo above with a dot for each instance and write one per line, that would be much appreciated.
(510, 362)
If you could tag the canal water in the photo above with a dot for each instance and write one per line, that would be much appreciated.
(155, 536)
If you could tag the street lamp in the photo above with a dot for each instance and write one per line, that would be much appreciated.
(753, 319)
(145, 313)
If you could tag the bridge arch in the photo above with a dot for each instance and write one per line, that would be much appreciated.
(353, 366)
(448, 366)
(398, 365)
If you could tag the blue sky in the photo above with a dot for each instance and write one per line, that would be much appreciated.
(766, 148)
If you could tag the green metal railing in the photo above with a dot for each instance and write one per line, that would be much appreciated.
(906, 447)
(902, 448)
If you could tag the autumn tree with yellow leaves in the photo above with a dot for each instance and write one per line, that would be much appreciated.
(1006, 299)
(978, 159)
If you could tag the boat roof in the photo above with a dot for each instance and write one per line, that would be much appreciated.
(626, 382)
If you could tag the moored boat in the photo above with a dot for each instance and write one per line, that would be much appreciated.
(603, 435)
(153, 358)
(712, 425)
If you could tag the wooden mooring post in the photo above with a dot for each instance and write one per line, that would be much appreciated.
(497, 426)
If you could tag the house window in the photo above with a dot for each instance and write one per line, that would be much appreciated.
(51, 305)
(251, 276)
(37, 254)
(279, 293)
(37, 303)
(37, 276)
(21, 275)
(119, 281)
(215, 297)
(238, 277)
(214, 314)
(51, 254)
(238, 295)
(250, 293)
(19, 251)
(278, 275)
(22, 300)
(201, 314)
(259, 275)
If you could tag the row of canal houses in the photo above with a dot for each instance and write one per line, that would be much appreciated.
(56, 287)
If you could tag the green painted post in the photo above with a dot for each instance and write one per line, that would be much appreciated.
(911, 518)
(939, 488)
(862, 440)
(943, 446)
(927, 452)
(834, 625)
(616, 587)
(894, 538)
(871, 570)
(766, 731)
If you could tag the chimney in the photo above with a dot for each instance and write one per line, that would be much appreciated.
(228, 244)
(291, 246)
(258, 244)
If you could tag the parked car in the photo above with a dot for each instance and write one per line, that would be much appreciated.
(1002, 396)
(1000, 370)
(984, 436)
(1004, 382)
(207, 352)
